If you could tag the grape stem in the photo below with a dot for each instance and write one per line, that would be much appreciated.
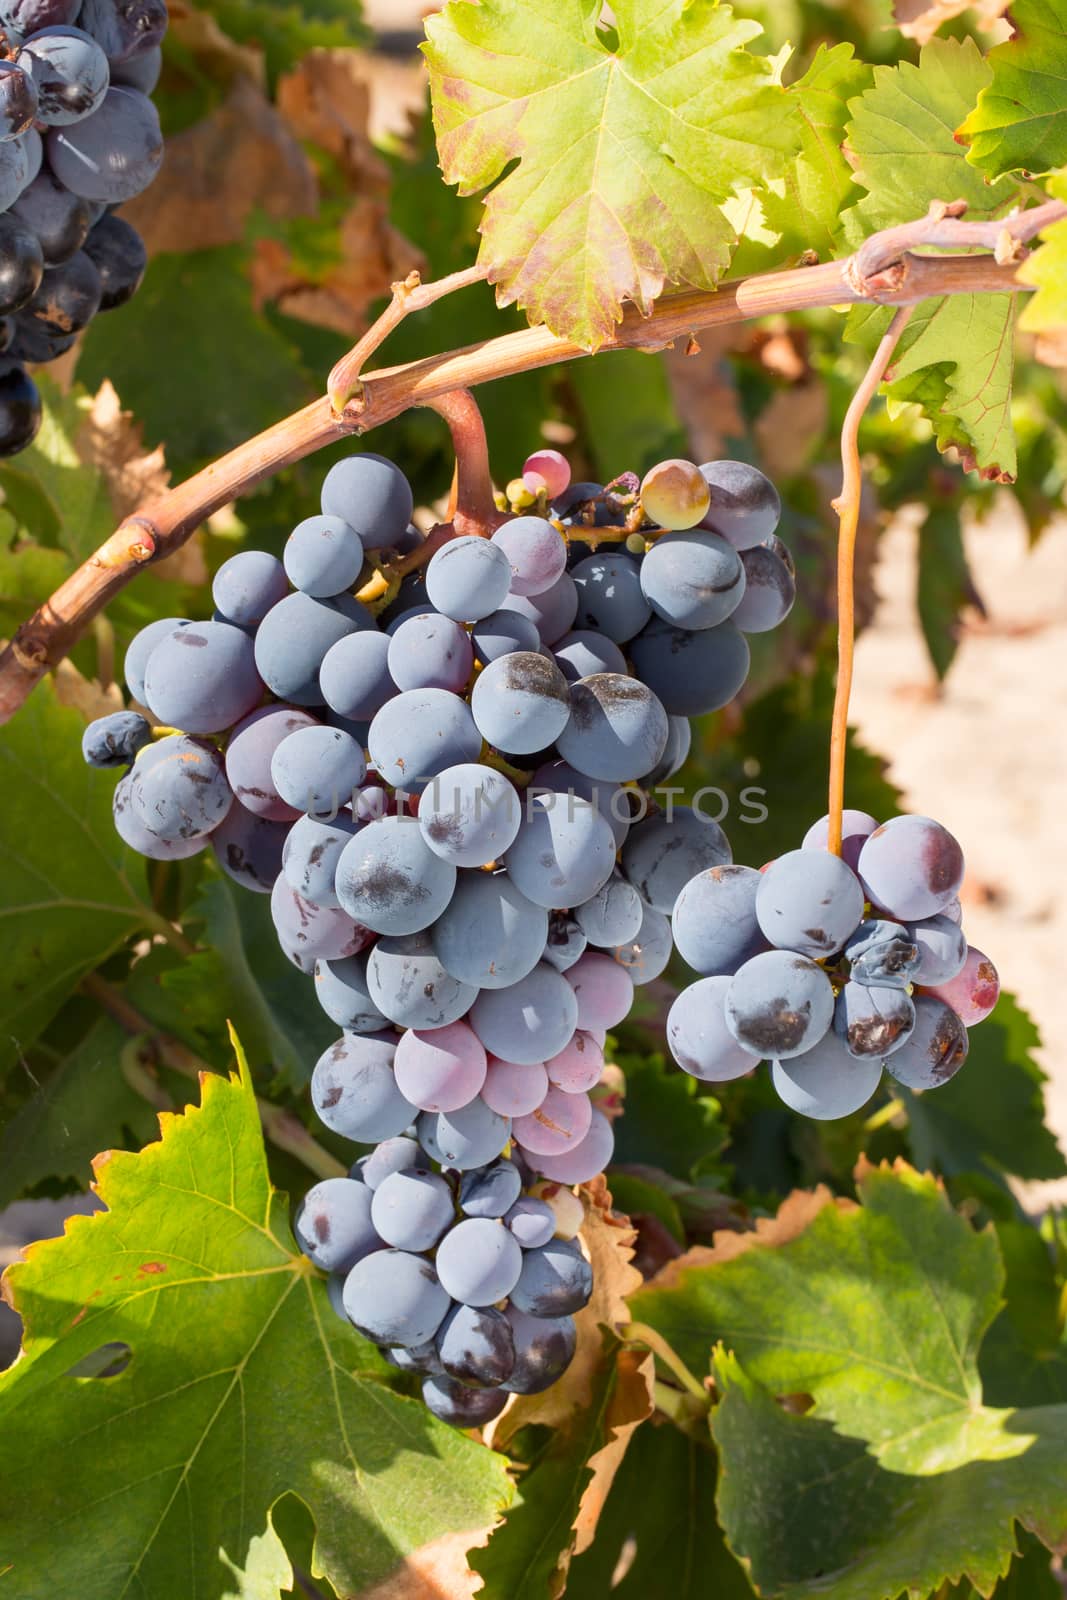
(641, 1333)
(847, 506)
(884, 271)
(284, 1130)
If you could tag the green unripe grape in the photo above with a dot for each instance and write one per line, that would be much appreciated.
(675, 495)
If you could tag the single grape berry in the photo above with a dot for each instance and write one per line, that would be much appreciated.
(675, 495)
(20, 408)
(114, 741)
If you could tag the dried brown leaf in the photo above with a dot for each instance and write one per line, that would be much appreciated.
(793, 1216)
(437, 1571)
(705, 394)
(791, 426)
(86, 695)
(630, 1405)
(920, 19)
(327, 100)
(200, 34)
(240, 158)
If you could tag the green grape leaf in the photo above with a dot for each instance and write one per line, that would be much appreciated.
(805, 205)
(668, 1124)
(82, 1107)
(71, 892)
(219, 348)
(945, 584)
(1046, 269)
(1023, 1360)
(811, 1512)
(659, 1529)
(528, 1555)
(991, 1117)
(621, 144)
(242, 1386)
(1019, 122)
(956, 356)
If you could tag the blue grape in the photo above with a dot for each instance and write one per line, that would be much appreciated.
(69, 73)
(312, 850)
(249, 848)
(389, 879)
(647, 955)
(58, 219)
(408, 984)
(21, 269)
(714, 921)
(553, 612)
(882, 953)
(309, 933)
(394, 1297)
(202, 677)
(392, 1155)
(590, 1156)
(770, 588)
(318, 769)
(502, 632)
(826, 1082)
(19, 97)
(613, 915)
(873, 1020)
(141, 646)
(470, 1137)
(132, 831)
(416, 735)
(113, 153)
(610, 598)
(779, 1004)
(469, 815)
(323, 556)
(698, 1037)
(335, 1285)
(411, 1209)
(809, 901)
(354, 1091)
(663, 852)
(911, 867)
(555, 1281)
(941, 947)
(459, 1405)
(479, 1261)
(675, 753)
(468, 579)
(692, 673)
(421, 1358)
(936, 1050)
(583, 653)
(521, 703)
(178, 788)
(372, 496)
(562, 854)
(249, 753)
(530, 1021)
(117, 251)
(247, 586)
(14, 171)
(141, 72)
(28, 16)
(532, 1221)
(692, 579)
(856, 828)
(67, 300)
(565, 943)
(491, 1192)
(604, 989)
(342, 992)
(544, 1349)
(490, 935)
(354, 677)
(609, 799)
(617, 728)
(333, 1224)
(293, 638)
(430, 652)
(124, 29)
(745, 506)
(113, 741)
(476, 1346)
(394, 616)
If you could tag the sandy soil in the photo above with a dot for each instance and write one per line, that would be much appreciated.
(987, 756)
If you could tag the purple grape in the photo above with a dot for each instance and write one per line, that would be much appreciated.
(911, 867)
(936, 1050)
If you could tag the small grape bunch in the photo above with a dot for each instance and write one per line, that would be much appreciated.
(833, 968)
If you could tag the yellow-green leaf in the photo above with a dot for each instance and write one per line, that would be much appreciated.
(1020, 121)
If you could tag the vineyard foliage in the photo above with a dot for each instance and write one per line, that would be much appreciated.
(873, 1327)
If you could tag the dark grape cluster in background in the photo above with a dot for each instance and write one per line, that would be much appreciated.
(451, 803)
(79, 135)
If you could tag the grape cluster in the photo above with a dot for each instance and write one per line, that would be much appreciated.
(831, 967)
(447, 804)
(78, 136)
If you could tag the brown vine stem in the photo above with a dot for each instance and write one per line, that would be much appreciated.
(284, 1130)
(163, 525)
(847, 506)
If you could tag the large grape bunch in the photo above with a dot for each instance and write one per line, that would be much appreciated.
(448, 804)
(78, 136)
(832, 968)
